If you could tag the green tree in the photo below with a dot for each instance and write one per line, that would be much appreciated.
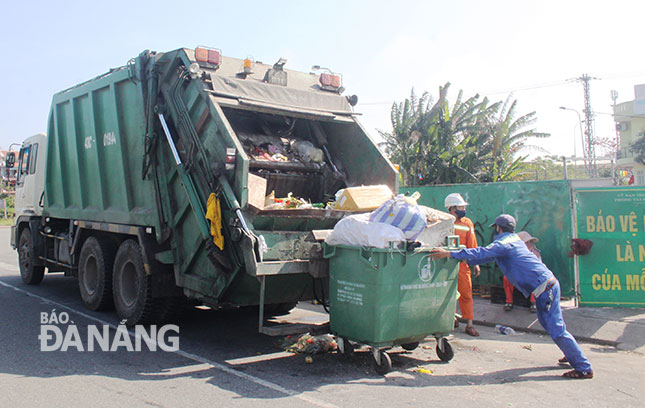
(455, 145)
(435, 143)
(507, 139)
(638, 148)
(471, 141)
(402, 145)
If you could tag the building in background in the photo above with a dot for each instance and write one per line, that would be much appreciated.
(7, 175)
(630, 122)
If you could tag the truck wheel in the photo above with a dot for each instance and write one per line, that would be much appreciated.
(95, 274)
(30, 273)
(131, 287)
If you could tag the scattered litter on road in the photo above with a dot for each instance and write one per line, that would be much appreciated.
(423, 370)
(308, 344)
(505, 329)
(528, 347)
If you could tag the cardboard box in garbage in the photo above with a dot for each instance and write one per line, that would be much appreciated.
(363, 198)
(439, 225)
(257, 188)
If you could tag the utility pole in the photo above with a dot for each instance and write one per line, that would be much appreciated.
(614, 97)
(590, 148)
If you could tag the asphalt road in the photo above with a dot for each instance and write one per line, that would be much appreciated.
(223, 360)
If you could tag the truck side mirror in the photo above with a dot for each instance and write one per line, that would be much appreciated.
(10, 160)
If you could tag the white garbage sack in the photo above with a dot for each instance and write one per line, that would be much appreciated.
(439, 225)
(403, 213)
(358, 230)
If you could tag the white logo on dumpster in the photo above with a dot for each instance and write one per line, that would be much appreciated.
(426, 268)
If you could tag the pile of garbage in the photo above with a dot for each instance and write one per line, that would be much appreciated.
(355, 199)
(384, 221)
(290, 202)
(396, 222)
(308, 344)
(288, 150)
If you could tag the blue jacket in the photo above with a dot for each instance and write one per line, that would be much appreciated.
(522, 268)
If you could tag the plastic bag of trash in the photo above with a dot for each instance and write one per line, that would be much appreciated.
(403, 213)
(358, 230)
(307, 151)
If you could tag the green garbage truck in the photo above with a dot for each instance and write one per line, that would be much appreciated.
(118, 190)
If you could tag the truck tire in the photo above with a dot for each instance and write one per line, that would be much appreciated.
(30, 273)
(131, 287)
(95, 274)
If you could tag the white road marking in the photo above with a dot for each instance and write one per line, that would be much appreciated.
(261, 357)
(190, 356)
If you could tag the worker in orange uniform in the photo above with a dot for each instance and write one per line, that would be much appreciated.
(465, 229)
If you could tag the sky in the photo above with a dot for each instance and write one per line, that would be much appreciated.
(529, 51)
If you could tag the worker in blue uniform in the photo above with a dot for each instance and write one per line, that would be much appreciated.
(528, 274)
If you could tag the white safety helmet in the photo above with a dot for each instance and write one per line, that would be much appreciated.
(454, 200)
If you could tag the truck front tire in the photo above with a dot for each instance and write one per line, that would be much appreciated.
(131, 286)
(30, 273)
(95, 274)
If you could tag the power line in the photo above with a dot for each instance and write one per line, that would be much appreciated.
(625, 75)
(562, 82)
(537, 86)
(526, 88)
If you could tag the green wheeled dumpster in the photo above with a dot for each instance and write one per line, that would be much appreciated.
(389, 297)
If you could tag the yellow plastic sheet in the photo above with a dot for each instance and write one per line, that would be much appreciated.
(214, 215)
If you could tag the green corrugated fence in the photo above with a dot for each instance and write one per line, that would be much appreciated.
(543, 208)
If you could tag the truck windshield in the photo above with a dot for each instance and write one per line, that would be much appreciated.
(23, 163)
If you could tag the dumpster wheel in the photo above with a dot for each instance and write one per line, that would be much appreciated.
(382, 361)
(345, 348)
(410, 346)
(444, 350)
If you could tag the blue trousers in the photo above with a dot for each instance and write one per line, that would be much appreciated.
(550, 316)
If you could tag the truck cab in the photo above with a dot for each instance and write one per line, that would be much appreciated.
(30, 179)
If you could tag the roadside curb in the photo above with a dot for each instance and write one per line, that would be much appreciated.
(602, 342)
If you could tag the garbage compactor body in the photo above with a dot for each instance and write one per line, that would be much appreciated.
(133, 156)
(387, 297)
